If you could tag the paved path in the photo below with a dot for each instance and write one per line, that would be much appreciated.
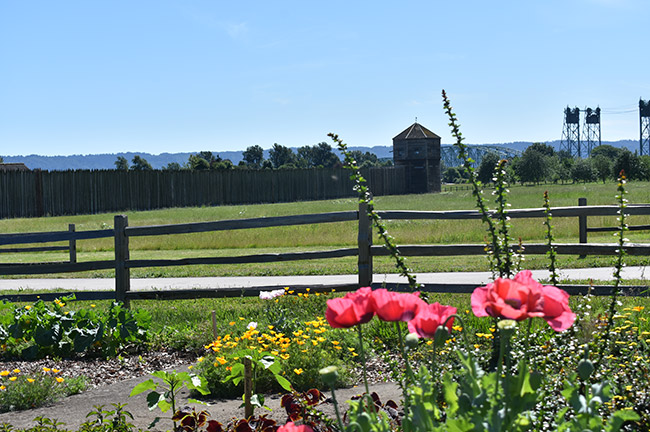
(476, 278)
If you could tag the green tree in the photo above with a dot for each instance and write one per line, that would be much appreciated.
(606, 150)
(631, 164)
(532, 167)
(582, 171)
(140, 164)
(486, 167)
(197, 163)
(172, 166)
(254, 156)
(324, 156)
(320, 155)
(121, 164)
(542, 148)
(305, 157)
(223, 165)
(280, 155)
(454, 175)
(365, 160)
(602, 166)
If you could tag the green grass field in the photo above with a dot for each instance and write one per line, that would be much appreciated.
(335, 235)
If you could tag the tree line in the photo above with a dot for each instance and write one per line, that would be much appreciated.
(541, 163)
(280, 157)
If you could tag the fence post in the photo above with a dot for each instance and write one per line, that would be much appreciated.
(364, 241)
(72, 244)
(122, 273)
(582, 224)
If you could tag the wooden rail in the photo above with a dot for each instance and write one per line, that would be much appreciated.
(365, 250)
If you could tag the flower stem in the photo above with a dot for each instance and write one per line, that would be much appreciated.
(363, 359)
(336, 410)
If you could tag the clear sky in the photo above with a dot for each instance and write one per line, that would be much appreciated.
(85, 77)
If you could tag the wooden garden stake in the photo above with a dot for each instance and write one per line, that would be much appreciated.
(248, 387)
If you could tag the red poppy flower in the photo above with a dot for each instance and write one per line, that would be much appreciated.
(521, 298)
(290, 427)
(429, 318)
(556, 309)
(394, 306)
(355, 308)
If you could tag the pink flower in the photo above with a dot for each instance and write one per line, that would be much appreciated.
(355, 308)
(521, 298)
(429, 318)
(291, 427)
(555, 302)
(394, 306)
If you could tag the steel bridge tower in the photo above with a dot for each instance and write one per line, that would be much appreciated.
(571, 132)
(644, 127)
(591, 130)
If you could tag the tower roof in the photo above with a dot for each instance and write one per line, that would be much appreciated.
(416, 131)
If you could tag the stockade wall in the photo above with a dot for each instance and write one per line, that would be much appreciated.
(40, 193)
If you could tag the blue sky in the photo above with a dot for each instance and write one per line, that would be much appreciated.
(85, 77)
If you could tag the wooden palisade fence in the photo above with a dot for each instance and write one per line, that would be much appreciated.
(57, 193)
(365, 250)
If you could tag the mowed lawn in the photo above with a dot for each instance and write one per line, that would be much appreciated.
(335, 235)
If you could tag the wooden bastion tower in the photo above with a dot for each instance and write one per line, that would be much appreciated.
(418, 150)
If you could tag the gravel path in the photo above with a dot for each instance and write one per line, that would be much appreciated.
(114, 380)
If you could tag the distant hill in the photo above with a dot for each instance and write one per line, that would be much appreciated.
(107, 161)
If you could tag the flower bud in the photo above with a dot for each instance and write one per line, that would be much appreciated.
(585, 369)
(507, 327)
(329, 375)
(441, 335)
(411, 341)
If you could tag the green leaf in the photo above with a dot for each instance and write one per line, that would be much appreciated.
(154, 399)
(236, 374)
(257, 400)
(619, 417)
(283, 382)
(143, 386)
(196, 401)
(164, 405)
(161, 374)
(268, 362)
(199, 384)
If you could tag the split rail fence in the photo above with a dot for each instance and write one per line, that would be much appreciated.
(365, 250)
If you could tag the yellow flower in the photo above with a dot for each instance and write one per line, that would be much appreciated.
(298, 371)
(28, 307)
(4, 373)
(16, 370)
(31, 380)
(13, 378)
(59, 379)
(2, 387)
(46, 369)
(200, 359)
(56, 370)
(284, 356)
(232, 323)
(92, 305)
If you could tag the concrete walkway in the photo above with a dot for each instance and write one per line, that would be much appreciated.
(475, 278)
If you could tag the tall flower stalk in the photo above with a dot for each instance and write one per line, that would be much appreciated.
(365, 196)
(499, 250)
(619, 263)
(552, 252)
